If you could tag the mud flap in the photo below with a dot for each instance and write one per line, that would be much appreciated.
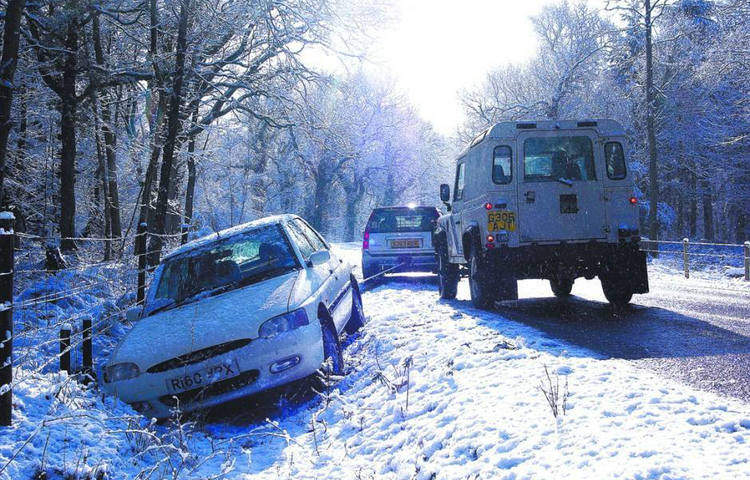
(638, 273)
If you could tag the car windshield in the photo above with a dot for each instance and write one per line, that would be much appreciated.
(234, 262)
(555, 158)
(402, 220)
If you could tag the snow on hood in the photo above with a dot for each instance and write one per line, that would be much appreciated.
(230, 316)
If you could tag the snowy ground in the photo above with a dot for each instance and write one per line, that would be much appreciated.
(435, 390)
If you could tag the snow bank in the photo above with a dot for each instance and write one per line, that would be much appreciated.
(469, 405)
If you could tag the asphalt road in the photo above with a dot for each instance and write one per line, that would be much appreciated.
(690, 330)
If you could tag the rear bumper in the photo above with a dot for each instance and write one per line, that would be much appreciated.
(410, 262)
(572, 260)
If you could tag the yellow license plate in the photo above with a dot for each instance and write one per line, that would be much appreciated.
(501, 220)
(406, 243)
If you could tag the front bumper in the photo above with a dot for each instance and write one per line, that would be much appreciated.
(409, 262)
(150, 395)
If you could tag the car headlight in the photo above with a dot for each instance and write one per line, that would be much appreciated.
(120, 371)
(283, 323)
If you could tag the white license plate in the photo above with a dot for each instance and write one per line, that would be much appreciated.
(406, 243)
(203, 377)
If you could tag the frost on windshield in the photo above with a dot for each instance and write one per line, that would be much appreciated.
(235, 261)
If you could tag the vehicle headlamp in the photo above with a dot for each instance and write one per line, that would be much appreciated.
(283, 323)
(120, 371)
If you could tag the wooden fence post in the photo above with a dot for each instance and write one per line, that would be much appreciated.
(7, 240)
(65, 349)
(747, 261)
(140, 251)
(685, 263)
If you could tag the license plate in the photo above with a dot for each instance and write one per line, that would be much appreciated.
(406, 243)
(203, 377)
(501, 220)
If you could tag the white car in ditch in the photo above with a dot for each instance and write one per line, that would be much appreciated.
(234, 313)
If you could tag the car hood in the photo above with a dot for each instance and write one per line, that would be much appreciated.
(233, 315)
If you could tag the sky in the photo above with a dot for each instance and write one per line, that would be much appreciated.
(432, 49)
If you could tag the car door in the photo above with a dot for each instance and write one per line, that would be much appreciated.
(457, 208)
(338, 287)
(560, 191)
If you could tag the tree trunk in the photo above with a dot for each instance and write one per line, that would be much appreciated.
(68, 141)
(173, 128)
(110, 140)
(693, 214)
(190, 188)
(13, 15)
(653, 170)
(708, 212)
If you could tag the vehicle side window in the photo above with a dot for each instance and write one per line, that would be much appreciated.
(305, 247)
(501, 165)
(615, 160)
(458, 192)
(315, 239)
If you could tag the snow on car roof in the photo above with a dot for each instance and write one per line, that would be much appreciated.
(227, 232)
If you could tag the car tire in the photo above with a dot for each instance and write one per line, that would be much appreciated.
(368, 271)
(507, 288)
(331, 348)
(357, 315)
(448, 277)
(618, 293)
(482, 296)
(561, 287)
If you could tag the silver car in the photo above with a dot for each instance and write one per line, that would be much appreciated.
(399, 237)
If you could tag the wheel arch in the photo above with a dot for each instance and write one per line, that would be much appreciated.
(469, 239)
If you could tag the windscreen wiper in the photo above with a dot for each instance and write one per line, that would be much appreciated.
(565, 181)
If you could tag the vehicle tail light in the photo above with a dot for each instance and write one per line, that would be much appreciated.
(366, 241)
(490, 239)
(633, 200)
(488, 206)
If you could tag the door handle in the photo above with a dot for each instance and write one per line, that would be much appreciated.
(530, 196)
(458, 222)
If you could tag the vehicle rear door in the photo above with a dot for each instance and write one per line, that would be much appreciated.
(560, 191)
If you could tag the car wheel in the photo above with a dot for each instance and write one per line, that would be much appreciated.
(618, 293)
(481, 293)
(357, 315)
(561, 287)
(368, 271)
(447, 277)
(333, 357)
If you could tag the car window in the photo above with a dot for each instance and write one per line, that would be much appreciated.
(402, 220)
(314, 237)
(501, 165)
(305, 247)
(458, 192)
(555, 158)
(223, 265)
(615, 160)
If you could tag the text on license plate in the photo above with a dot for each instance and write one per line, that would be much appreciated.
(406, 243)
(205, 376)
(501, 220)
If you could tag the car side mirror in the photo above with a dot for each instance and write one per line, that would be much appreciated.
(321, 257)
(133, 314)
(445, 195)
(445, 192)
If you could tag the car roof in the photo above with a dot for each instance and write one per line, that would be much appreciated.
(605, 127)
(404, 207)
(228, 232)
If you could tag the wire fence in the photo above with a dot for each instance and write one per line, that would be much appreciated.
(734, 259)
